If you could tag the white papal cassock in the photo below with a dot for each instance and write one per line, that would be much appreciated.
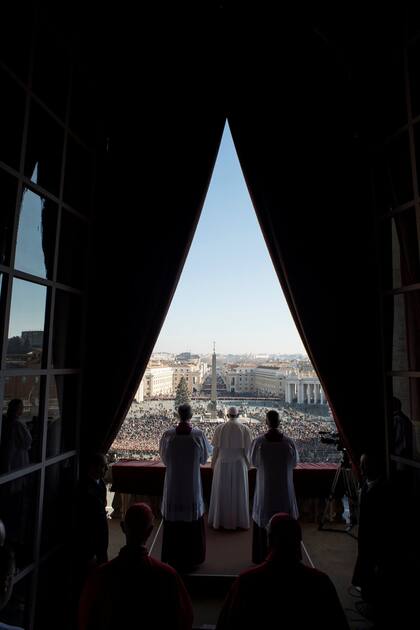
(229, 501)
(274, 489)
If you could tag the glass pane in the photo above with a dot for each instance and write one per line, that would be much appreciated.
(406, 480)
(26, 325)
(12, 111)
(67, 330)
(36, 235)
(3, 285)
(402, 313)
(21, 433)
(405, 417)
(405, 249)
(44, 150)
(399, 334)
(8, 192)
(72, 251)
(18, 511)
(393, 175)
(57, 515)
(17, 611)
(78, 180)
(62, 414)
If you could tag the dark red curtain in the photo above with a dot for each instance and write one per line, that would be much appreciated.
(144, 230)
(162, 131)
(306, 169)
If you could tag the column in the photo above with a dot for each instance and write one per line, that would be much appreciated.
(300, 392)
(287, 392)
(321, 391)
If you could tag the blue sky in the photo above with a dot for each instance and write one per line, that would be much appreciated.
(229, 291)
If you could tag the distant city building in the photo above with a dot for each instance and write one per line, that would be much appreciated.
(293, 380)
(34, 337)
(139, 397)
(239, 379)
(304, 391)
(269, 381)
(186, 357)
(158, 381)
(221, 388)
(193, 376)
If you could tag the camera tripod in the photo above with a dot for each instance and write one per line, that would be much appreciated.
(345, 475)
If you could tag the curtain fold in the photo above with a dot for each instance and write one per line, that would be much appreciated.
(152, 186)
(307, 175)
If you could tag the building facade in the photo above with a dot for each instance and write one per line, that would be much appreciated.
(304, 391)
(158, 381)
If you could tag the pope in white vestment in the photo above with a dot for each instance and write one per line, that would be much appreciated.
(229, 501)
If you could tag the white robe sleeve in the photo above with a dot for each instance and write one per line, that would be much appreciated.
(214, 456)
(206, 450)
(163, 447)
(255, 453)
(294, 453)
(216, 446)
(247, 446)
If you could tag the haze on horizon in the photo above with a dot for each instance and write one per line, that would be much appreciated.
(229, 291)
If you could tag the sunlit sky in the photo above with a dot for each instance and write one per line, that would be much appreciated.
(229, 291)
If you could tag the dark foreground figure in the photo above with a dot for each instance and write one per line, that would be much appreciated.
(135, 590)
(282, 592)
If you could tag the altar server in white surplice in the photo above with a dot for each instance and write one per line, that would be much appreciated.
(229, 501)
(274, 456)
(183, 449)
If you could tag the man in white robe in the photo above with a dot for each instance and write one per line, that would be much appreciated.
(274, 456)
(229, 501)
(183, 449)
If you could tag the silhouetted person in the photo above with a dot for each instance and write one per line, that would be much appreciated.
(402, 431)
(229, 499)
(92, 516)
(183, 449)
(135, 590)
(274, 456)
(16, 439)
(282, 592)
(374, 508)
(7, 571)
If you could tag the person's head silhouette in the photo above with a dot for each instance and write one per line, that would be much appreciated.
(137, 524)
(284, 537)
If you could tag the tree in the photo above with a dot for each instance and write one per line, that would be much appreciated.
(14, 345)
(182, 395)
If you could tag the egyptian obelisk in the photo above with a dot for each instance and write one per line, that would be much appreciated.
(213, 383)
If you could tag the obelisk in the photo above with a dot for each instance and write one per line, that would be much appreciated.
(213, 383)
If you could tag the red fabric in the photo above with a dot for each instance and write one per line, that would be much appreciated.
(277, 595)
(183, 428)
(273, 435)
(292, 137)
(134, 477)
(165, 150)
(132, 590)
